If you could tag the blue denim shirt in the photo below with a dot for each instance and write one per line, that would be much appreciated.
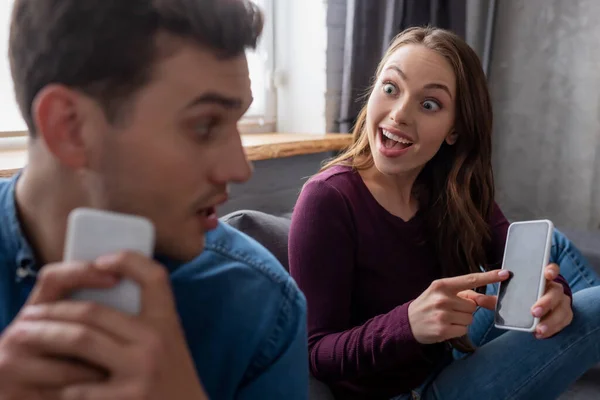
(243, 316)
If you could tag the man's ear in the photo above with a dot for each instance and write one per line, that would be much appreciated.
(452, 137)
(56, 114)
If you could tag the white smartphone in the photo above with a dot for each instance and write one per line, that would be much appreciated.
(93, 233)
(526, 255)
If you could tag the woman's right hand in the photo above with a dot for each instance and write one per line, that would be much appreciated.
(445, 309)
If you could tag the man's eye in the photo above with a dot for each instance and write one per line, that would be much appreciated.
(204, 128)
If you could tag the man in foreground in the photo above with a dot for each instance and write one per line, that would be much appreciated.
(132, 106)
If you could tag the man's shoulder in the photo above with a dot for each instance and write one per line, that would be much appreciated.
(254, 281)
(237, 302)
(229, 251)
(244, 270)
(4, 182)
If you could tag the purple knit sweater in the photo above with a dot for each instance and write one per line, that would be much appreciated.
(360, 267)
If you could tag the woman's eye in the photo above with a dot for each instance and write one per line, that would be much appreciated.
(389, 89)
(431, 105)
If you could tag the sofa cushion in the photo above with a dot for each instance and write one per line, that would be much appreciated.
(269, 230)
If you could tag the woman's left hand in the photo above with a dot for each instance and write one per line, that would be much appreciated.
(553, 308)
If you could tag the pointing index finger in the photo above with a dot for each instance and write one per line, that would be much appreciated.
(478, 279)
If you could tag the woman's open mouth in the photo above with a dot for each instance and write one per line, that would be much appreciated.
(391, 144)
(391, 141)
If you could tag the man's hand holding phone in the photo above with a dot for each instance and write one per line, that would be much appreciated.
(27, 369)
(554, 307)
(63, 349)
(445, 309)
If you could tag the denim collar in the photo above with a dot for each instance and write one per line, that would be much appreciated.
(14, 246)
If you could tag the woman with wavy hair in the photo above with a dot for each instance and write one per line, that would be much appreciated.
(397, 245)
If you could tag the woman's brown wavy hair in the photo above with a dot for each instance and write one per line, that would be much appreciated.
(455, 188)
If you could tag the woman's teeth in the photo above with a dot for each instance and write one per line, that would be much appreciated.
(395, 138)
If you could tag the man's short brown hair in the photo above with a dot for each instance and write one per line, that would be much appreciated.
(106, 48)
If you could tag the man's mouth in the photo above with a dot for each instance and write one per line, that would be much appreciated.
(208, 211)
(208, 215)
(394, 141)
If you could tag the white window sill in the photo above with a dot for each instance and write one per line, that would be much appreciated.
(11, 161)
(265, 146)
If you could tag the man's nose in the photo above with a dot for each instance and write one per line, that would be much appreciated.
(233, 165)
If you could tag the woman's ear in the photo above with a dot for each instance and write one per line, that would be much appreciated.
(452, 137)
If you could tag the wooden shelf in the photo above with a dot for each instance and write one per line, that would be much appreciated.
(268, 146)
(11, 161)
(262, 146)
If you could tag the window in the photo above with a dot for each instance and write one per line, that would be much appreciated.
(261, 115)
(12, 126)
(259, 118)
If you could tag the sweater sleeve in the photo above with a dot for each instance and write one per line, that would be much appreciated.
(499, 226)
(322, 247)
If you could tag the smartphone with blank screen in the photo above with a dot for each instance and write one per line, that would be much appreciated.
(94, 233)
(526, 255)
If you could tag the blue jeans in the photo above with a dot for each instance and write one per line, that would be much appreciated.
(516, 365)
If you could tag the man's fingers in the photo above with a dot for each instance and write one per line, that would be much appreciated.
(157, 301)
(470, 281)
(68, 340)
(120, 326)
(551, 272)
(94, 391)
(49, 393)
(57, 281)
(481, 300)
(54, 372)
(549, 301)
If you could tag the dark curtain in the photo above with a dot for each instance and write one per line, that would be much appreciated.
(370, 27)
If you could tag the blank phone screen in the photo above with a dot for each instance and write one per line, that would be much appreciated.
(524, 257)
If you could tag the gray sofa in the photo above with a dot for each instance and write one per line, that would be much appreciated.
(272, 232)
